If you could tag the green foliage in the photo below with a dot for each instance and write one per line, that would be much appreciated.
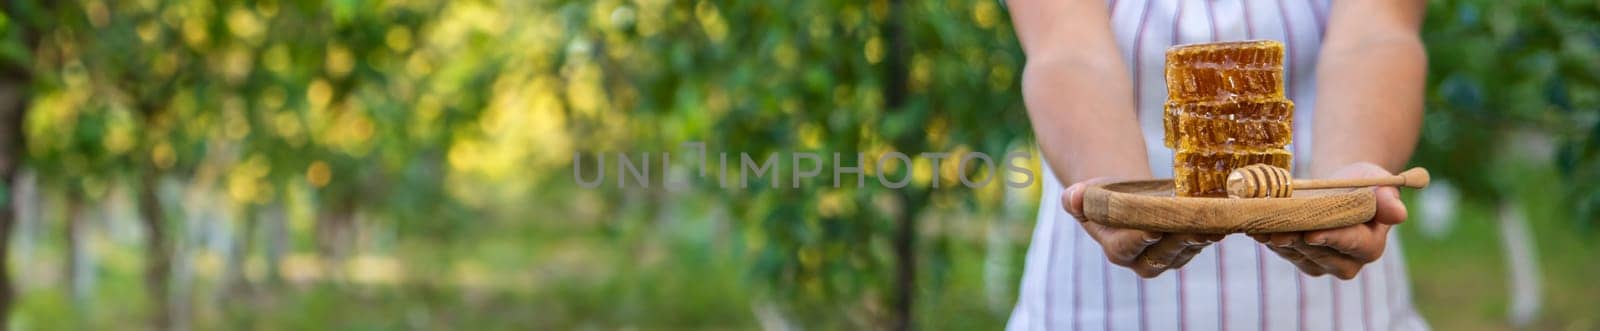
(755, 77)
(1509, 76)
(260, 97)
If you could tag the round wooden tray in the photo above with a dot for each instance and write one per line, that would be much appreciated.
(1150, 205)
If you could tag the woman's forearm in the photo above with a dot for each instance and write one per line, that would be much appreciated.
(1083, 117)
(1369, 106)
(1078, 91)
(1369, 86)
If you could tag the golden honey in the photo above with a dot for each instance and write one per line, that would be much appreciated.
(1234, 124)
(1218, 71)
(1225, 109)
(1205, 173)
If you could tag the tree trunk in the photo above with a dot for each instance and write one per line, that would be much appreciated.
(76, 284)
(13, 103)
(277, 242)
(15, 79)
(336, 237)
(905, 251)
(235, 280)
(895, 94)
(158, 253)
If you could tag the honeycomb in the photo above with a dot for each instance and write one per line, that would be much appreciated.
(1217, 71)
(1233, 124)
(1205, 173)
(1225, 109)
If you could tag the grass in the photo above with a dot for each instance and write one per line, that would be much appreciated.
(1461, 279)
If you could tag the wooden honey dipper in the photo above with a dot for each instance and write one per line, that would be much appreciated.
(1264, 181)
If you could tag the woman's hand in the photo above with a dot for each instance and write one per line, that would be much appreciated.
(1148, 253)
(1342, 251)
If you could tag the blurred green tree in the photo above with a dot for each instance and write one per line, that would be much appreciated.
(17, 37)
(255, 98)
(847, 77)
(1512, 82)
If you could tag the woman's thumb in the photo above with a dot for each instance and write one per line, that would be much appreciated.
(1391, 210)
(1072, 200)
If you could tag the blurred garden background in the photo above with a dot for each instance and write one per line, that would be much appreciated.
(408, 164)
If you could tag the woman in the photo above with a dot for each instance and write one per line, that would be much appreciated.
(1094, 90)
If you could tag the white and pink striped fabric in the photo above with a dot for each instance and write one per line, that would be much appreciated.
(1233, 285)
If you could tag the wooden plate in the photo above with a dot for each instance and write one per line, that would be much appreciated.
(1150, 205)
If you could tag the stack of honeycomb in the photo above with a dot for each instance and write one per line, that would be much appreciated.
(1225, 109)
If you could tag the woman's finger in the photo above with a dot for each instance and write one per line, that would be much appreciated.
(1299, 261)
(1162, 255)
(1391, 210)
(1121, 246)
(1361, 242)
(1187, 255)
(1072, 200)
(1333, 262)
(1072, 196)
(1283, 239)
